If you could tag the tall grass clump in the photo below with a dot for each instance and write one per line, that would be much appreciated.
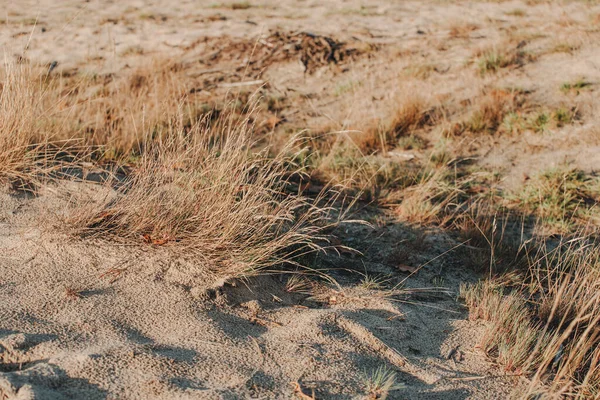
(547, 328)
(559, 197)
(112, 111)
(508, 54)
(565, 283)
(202, 191)
(20, 112)
(34, 144)
(373, 175)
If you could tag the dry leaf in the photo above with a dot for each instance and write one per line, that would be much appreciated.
(158, 242)
(154, 241)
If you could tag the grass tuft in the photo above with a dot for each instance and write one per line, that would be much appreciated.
(29, 152)
(558, 197)
(494, 59)
(380, 382)
(546, 326)
(576, 86)
(200, 191)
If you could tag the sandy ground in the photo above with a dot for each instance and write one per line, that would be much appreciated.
(93, 320)
(81, 319)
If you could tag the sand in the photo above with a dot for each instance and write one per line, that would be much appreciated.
(98, 320)
(71, 329)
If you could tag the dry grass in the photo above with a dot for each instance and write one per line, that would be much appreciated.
(544, 312)
(19, 113)
(491, 111)
(199, 186)
(561, 198)
(462, 29)
(196, 182)
(568, 284)
(413, 111)
(509, 111)
(32, 149)
(410, 108)
(373, 175)
(120, 112)
(432, 199)
(492, 237)
(298, 283)
(511, 334)
(40, 108)
(200, 189)
(496, 58)
(547, 327)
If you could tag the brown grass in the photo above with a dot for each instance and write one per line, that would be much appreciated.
(432, 199)
(492, 238)
(30, 149)
(489, 112)
(19, 112)
(201, 190)
(547, 327)
(409, 109)
(42, 111)
(119, 112)
(561, 198)
(506, 55)
(114, 111)
(199, 187)
(462, 29)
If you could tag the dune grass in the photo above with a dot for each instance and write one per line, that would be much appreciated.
(199, 189)
(546, 327)
(20, 111)
(197, 184)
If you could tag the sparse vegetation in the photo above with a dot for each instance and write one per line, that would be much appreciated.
(371, 174)
(28, 136)
(236, 5)
(558, 196)
(565, 47)
(409, 113)
(462, 29)
(496, 58)
(298, 283)
(540, 122)
(370, 282)
(563, 117)
(517, 12)
(201, 191)
(380, 382)
(432, 199)
(576, 86)
(177, 168)
(18, 107)
(548, 323)
(491, 111)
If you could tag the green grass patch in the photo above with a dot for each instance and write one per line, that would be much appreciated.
(576, 86)
(559, 197)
